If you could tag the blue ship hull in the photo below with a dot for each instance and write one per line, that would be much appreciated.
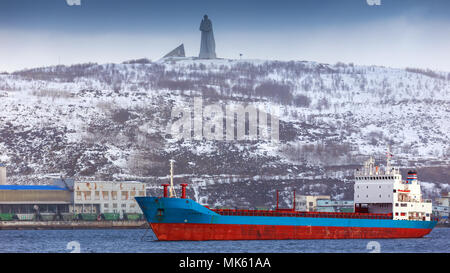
(185, 219)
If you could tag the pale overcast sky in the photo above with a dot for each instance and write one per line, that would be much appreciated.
(399, 33)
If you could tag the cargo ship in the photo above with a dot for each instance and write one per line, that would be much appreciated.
(385, 206)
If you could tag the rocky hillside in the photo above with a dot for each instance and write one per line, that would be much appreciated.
(109, 122)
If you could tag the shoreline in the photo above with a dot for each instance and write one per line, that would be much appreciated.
(37, 225)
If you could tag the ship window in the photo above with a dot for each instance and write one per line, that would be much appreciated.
(367, 196)
(395, 190)
(380, 195)
(87, 195)
(105, 195)
(379, 187)
(396, 204)
(396, 214)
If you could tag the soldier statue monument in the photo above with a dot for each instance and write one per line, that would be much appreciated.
(207, 44)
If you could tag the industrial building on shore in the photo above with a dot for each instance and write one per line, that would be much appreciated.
(68, 200)
(441, 208)
(111, 199)
(322, 203)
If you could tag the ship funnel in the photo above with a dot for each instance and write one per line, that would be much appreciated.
(412, 177)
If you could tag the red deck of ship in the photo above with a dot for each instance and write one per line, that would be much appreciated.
(291, 213)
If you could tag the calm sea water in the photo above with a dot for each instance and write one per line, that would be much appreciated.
(140, 240)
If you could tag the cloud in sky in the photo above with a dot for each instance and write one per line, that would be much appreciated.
(410, 38)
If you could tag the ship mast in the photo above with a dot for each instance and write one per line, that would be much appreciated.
(388, 160)
(171, 189)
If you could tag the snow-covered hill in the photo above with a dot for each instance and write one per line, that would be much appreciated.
(109, 121)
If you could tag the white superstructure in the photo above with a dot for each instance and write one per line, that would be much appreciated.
(382, 190)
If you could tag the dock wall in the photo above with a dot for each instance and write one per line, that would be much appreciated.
(72, 224)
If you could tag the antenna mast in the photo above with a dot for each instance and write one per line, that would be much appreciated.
(388, 160)
(171, 189)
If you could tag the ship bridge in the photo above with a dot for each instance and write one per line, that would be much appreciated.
(382, 190)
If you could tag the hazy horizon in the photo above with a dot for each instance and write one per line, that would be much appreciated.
(396, 34)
